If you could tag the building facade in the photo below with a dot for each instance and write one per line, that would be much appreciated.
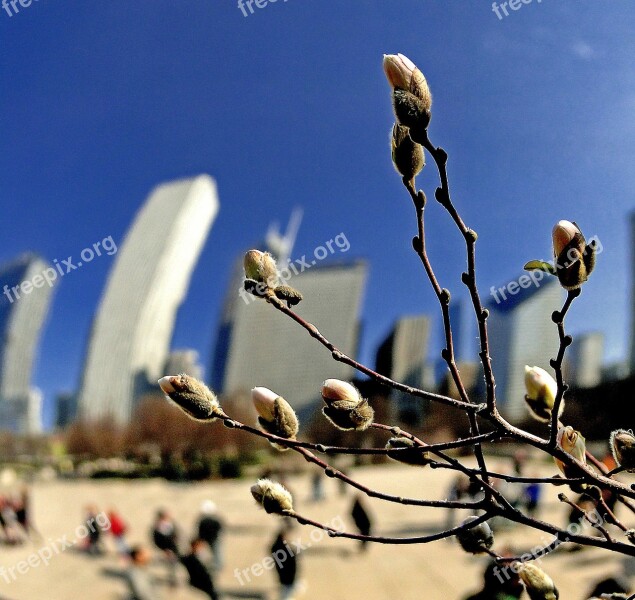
(24, 305)
(132, 329)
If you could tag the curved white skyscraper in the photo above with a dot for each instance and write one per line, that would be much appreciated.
(24, 304)
(132, 330)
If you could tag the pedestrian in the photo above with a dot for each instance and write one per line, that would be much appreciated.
(362, 520)
(93, 541)
(165, 537)
(22, 507)
(200, 577)
(118, 530)
(140, 583)
(286, 564)
(210, 530)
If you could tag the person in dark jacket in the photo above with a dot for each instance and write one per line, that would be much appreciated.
(286, 564)
(210, 530)
(200, 577)
(165, 538)
(362, 520)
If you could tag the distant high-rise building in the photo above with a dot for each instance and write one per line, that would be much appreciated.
(132, 329)
(184, 361)
(584, 360)
(402, 356)
(521, 333)
(65, 409)
(24, 304)
(258, 346)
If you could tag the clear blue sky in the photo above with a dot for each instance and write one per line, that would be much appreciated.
(100, 101)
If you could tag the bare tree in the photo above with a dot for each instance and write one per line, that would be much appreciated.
(574, 260)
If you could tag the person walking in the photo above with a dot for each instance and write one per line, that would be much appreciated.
(140, 584)
(200, 577)
(210, 530)
(362, 520)
(287, 569)
(165, 538)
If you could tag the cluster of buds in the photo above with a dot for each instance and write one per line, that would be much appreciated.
(261, 278)
(408, 452)
(572, 442)
(574, 259)
(623, 448)
(538, 584)
(412, 103)
(541, 393)
(192, 396)
(273, 497)
(345, 407)
(477, 539)
(275, 415)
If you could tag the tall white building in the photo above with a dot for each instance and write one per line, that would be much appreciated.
(132, 329)
(258, 346)
(521, 333)
(24, 302)
(584, 360)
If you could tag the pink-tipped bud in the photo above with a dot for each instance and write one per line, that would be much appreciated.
(191, 395)
(345, 408)
(264, 400)
(563, 233)
(276, 416)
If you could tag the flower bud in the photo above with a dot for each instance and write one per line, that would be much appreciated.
(572, 442)
(408, 453)
(345, 408)
(541, 393)
(538, 584)
(275, 414)
(476, 539)
(623, 448)
(290, 295)
(407, 156)
(261, 267)
(272, 496)
(574, 258)
(191, 395)
(412, 100)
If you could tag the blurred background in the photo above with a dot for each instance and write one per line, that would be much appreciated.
(148, 145)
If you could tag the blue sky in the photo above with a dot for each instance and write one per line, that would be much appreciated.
(100, 101)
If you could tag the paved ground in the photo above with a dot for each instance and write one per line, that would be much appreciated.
(331, 569)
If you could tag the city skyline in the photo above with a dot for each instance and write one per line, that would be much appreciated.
(535, 112)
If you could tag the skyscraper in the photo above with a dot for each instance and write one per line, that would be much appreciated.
(521, 333)
(24, 304)
(402, 356)
(132, 329)
(584, 360)
(258, 346)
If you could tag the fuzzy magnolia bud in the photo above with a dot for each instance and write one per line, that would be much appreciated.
(407, 156)
(623, 448)
(574, 258)
(412, 100)
(345, 408)
(476, 539)
(290, 295)
(572, 442)
(191, 395)
(407, 452)
(541, 393)
(275, 414)
(538, 584)
(272, 496)
(261, 267)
